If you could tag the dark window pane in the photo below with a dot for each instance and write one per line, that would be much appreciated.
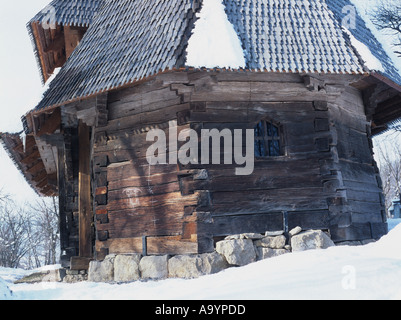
(259, 130)
(260, 149)
(269, 127)
(267, 140)
(275, 131)
(274, 148)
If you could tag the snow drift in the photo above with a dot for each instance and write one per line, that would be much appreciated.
(368, 272)
(5, 293)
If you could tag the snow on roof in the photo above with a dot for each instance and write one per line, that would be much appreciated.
(365, 32)
(366, 54)
(384, 40)
(214, 42)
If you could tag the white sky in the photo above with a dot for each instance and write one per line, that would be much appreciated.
(20, 85)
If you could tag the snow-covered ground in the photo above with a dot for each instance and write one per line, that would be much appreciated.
(369, 272)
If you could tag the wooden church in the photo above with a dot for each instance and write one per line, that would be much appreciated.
(306, 90)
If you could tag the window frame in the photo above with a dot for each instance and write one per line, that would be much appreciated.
(266, 138)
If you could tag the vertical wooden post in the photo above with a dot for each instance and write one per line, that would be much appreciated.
(84, 197)
(62, 198)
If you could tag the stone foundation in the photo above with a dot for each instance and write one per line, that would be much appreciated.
(233, 251)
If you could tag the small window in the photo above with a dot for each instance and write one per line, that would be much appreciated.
(267, 140)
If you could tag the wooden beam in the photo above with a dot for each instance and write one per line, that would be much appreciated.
(35, 29)
(35, 169)
(79, 263)
(51, 125)
(34, 156)
(56, 45)
(84, 197)
(61, 178)
(73, 37)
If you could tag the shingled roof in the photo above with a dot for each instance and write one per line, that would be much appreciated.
(291, 36)
(26, 157)
(128, 41)
(46, 24)
(77, 13)
(363, 34)
(131, 40)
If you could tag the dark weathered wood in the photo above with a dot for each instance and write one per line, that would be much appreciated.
(355, 232)
(155, 245)
(316, 220)
(85, 203)
(152, 201)
(73, 36)
(80, 263)
(319, 180)
(259, 223)
(165, 245)
(51, 125)
(64, 243)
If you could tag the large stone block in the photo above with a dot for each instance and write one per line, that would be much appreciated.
(272, 242)
(44, 276)
(195, 266)
(185, 267)
(267, 253)
(238, 252)
(153, 267)
(213, 263)
(309, 240)
(102, 271)
(126, 268)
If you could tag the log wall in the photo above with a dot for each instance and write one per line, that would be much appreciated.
(319, 182)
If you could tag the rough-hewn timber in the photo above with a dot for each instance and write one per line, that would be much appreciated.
(325, 179)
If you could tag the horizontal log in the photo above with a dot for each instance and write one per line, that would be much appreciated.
(253, 91)
(355, 232)
(127, 93)
(294, 199)
(130, 139)
(79, 263)
(137, 169)
(148, 225)
(155, 246)
(362, 186)
(364, 195)
(121, 246)
(259, 182)
(154, 180)
(152, 202)
(146, 190)
(152, 118)
(229, 225)
(314, 220)
(165, 245)
(358, 172)
(120, 110)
